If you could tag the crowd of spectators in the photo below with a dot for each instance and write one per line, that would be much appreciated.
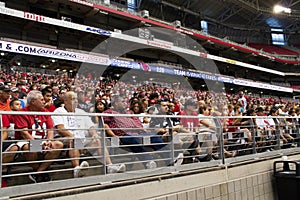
(18, 91)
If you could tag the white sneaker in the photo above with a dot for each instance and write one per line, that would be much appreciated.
(115, 168)
(80, 171)
(178, 161)
(151, 165)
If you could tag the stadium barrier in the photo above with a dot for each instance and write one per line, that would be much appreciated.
(220, 145)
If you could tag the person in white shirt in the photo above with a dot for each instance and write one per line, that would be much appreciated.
(242, 99)
(76, 126)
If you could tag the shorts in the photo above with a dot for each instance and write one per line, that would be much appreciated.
(8, 145)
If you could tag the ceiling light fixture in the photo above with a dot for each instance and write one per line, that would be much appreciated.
(280, 9)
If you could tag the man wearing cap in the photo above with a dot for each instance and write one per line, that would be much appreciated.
(15, 92)
(190, 126)
(4, 98)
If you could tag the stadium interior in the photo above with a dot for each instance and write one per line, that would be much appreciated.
(225, 46)
(230, 38)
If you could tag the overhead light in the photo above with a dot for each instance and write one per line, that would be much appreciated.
(280, 9)
(43, 66)
(18, 63)
(58, 70)
(53, 60)
(2, 54)
(71, 71)
(64, 70)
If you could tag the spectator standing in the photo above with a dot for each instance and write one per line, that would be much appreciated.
(242, 99)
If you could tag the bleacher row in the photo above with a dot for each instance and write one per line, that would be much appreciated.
(273, 49)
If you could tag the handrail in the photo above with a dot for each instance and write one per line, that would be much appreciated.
(225, 143)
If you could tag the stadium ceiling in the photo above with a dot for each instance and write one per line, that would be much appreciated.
(244, 15)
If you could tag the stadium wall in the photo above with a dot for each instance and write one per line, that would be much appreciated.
(244, 181)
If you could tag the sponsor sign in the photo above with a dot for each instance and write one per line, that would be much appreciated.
(98, 31)
(125, 64)
(261, 85)
(52, 53)
(81, 57)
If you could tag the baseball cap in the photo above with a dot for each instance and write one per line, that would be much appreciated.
(15, 89)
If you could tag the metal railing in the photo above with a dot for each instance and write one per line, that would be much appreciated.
(222, 143)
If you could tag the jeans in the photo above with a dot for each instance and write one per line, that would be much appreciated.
(140, 148)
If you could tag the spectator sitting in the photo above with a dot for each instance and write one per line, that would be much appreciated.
(4, 98)
(190, 126)
(81, 101)
(55, 92)
(37, 127)
(15, 95)
(125, 127)
(8, 134)
(21, 87)
(279, 122)
(47, 94)
(100, 107)
(207, 127)
(137, 109)
(80, 127)
(59, 102)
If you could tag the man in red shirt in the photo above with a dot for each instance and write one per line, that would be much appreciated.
(132, 126)
(37, 127)
(190, 126)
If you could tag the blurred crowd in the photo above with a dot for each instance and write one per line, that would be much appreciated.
(93, 89)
